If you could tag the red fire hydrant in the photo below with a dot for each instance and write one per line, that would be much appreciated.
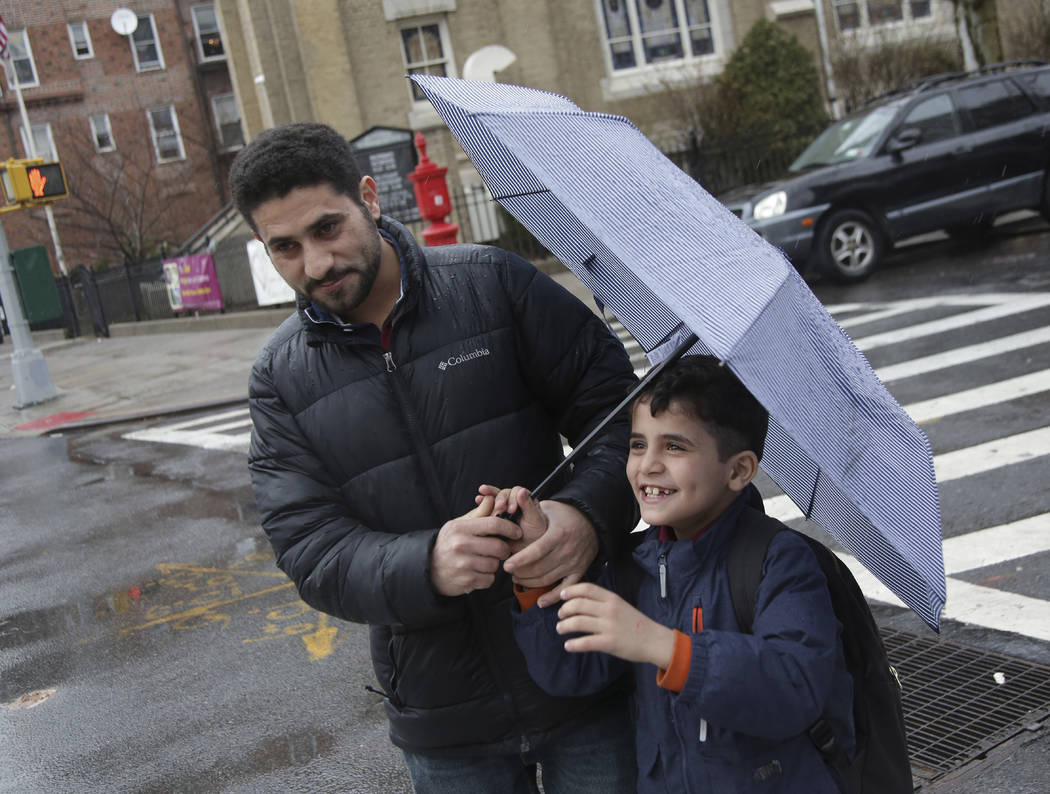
(428, 183)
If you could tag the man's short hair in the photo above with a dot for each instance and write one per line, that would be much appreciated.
(706, 389)
(294, 155)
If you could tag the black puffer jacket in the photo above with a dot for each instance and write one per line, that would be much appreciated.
(360, 454)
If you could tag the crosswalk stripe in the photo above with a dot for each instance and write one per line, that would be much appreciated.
(964, 355)
(980, 397)
(1020, 304)
(994, 545)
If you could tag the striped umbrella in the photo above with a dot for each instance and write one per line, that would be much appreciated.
(670, 261)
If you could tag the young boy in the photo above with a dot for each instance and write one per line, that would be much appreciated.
(718, 710)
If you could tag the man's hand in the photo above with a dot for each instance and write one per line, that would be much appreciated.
(469, 549)
(610, 624)
(561, 554)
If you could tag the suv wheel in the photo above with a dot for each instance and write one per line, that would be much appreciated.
(849, 246)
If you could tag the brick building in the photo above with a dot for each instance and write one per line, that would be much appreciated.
(343, 62)
(145, 123)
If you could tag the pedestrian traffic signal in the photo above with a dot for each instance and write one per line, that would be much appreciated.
(33, 182)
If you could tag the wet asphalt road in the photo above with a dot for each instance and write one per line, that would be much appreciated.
(136, 583)
(144, 593)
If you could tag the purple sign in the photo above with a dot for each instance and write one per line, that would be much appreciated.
(192, 283)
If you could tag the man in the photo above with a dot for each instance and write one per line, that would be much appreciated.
(407, 378)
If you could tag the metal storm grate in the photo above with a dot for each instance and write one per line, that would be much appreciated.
(960, 702)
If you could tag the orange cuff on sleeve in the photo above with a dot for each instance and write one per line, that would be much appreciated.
(528, 596)
(677, 672)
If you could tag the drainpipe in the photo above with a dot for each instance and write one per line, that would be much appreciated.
(822, 33)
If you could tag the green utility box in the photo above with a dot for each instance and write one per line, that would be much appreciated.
(36, 284)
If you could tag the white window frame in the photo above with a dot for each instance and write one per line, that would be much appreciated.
(51, 152)
(199, 38)
(446, 46)
(108, 130)
(70, 26)
(865, 25)
(142, 19)
(154, 134)
(644, 78)
(218, 121)
(12, 72)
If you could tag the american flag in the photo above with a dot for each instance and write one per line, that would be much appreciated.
(4, 53)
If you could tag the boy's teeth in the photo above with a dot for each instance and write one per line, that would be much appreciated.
(651, 490)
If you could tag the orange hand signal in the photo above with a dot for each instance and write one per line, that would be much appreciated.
(37, 182)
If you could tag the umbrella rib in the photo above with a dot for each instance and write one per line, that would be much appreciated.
(519, 195)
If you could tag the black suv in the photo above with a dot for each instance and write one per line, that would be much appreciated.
(951, 153)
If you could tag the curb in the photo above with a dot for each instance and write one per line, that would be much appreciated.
(93, 424)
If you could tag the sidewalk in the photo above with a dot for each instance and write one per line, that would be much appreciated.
(154, 367)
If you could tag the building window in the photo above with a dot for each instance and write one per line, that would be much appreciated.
(42, 140)
(102, 133)
(854, 14)
(644, 32)
(167, 140)
(145, 47)
(209, 37)
(80, 40)
(23, 68)
(228, 120)
(425, 49)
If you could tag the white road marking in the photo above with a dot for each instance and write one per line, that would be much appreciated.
(997, 544)
(964, 355)
(1019, 303)
(972, 604)
(980, 397)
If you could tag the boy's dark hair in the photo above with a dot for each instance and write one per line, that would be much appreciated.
(294, 155)
(710, 392)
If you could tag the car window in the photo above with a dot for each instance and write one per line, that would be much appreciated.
(992, 103)
(1036, 82)
(935, 117)
(846, 140)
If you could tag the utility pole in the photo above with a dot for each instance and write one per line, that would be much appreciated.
(32, 380)
(12, 78)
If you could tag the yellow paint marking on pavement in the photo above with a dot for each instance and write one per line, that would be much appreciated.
(168, 568)
(320, 643)
(189, 613)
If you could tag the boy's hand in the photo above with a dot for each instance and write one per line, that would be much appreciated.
(516, 501)
(469, 550)
(611, 625)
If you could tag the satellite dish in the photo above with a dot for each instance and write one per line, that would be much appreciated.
(484, 63)
(124, 21)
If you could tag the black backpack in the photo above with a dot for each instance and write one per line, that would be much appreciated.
(880, 765)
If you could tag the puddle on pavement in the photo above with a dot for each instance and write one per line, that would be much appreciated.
(282, 752)
(188, 586)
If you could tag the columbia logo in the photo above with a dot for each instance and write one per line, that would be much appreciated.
(459, 359)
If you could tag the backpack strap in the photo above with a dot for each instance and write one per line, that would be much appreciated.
(745, 564)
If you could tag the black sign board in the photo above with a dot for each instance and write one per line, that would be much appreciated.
(388, 155)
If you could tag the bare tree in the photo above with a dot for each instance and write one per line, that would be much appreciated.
(864, 73)
(124, 205)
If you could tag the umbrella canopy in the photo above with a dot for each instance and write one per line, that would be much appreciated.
(669, 260)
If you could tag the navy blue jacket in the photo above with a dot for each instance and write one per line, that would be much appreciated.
(739, 723)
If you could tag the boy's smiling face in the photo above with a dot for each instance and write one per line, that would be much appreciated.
(675, 470)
